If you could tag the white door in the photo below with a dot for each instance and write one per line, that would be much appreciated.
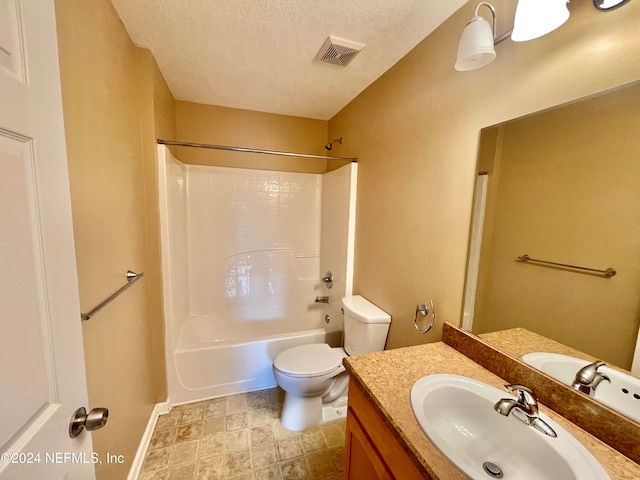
(42, 375)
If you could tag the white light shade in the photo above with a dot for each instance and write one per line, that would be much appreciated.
(535, 18)
(475, 49)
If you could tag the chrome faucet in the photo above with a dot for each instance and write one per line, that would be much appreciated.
(524, 408)
(322, 300)
(588, 378)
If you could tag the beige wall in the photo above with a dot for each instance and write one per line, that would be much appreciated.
(416, 130)
(114, 99)
(567, 192)
(200, 123)
(157, 110)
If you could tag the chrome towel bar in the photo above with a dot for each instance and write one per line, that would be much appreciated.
(609, 272)
(132, 278)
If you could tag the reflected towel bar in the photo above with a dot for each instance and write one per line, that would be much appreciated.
(609, 272)
(132, 278)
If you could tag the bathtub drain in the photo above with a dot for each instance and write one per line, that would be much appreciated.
(493, 470)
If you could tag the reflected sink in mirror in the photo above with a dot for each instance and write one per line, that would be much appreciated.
(457, 415)
(622, 394)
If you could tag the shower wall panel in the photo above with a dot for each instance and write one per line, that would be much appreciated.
(176, 274)
(253, 250)
(337, 237)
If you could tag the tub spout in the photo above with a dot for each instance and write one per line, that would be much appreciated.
(322, 300)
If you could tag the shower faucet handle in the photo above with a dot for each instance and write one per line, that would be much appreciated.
(328, 279)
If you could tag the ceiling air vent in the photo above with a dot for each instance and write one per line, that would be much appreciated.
(338, 51)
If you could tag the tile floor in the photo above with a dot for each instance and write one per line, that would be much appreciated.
(241, 437)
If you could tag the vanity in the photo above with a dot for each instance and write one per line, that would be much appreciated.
(383, 437)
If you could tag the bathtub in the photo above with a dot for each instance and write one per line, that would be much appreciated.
(204, 367)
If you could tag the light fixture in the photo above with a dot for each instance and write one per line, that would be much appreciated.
(535, 18)
(606, 5)
(475, 49)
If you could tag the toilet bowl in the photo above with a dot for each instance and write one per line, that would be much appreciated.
(313, 377)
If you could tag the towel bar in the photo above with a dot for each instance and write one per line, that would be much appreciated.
(132, 278)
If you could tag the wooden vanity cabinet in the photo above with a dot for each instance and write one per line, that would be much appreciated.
(371, 449)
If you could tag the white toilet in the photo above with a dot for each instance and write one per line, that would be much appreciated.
(313, 377)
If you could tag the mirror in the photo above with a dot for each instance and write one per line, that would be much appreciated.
(561, 186)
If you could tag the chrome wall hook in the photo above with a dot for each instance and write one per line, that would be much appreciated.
(423, 310)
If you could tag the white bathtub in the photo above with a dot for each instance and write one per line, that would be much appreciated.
(206, 368)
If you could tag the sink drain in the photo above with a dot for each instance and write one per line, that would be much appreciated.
(493, 470)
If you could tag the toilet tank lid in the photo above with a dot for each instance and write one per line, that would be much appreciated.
(364, 310)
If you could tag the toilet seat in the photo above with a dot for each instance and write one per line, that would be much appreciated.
(311, 360)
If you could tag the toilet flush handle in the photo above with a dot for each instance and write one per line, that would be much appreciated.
(424, 311)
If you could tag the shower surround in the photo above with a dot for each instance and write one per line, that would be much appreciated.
(243, 256)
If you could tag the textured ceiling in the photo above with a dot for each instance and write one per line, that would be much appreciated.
(259, 54)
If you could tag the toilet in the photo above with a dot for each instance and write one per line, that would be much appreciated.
(313, 377)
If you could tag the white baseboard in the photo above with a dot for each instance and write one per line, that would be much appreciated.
(158, 409)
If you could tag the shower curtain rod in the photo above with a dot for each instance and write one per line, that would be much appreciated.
(253, 150)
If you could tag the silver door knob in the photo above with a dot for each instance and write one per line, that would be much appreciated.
(95, 419)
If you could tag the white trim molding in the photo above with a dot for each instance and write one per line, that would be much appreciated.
(158, 409)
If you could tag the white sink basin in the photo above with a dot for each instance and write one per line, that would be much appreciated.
(622, 394)
(457, 415)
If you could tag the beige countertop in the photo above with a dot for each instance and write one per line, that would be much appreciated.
(518, 342)
(387, 378)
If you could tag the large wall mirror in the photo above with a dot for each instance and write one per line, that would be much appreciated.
(562, 186)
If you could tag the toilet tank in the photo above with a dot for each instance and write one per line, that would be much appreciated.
(365, 326)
